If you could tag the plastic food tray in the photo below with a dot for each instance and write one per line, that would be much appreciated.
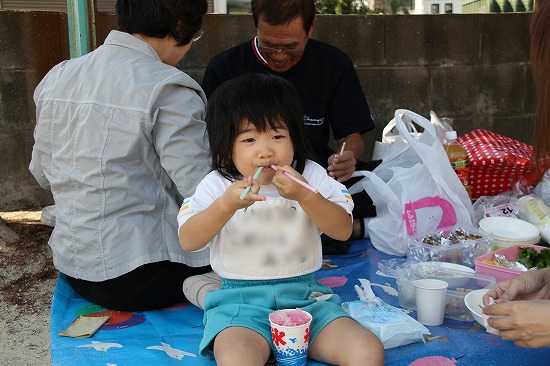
(455, 307)
(463, 253)
(498, 272)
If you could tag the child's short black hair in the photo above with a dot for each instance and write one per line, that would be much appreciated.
(265, 100)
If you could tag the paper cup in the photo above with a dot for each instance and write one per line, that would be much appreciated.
(290, 341)
(431, 298)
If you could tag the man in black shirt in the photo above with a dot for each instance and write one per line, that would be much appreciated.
(332, 97)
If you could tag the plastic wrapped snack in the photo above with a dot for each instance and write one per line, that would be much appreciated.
(392, 326)
(490, 206)
(532, 209)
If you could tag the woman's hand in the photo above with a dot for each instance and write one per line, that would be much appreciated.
(529, 285)
(522, 305)
(526, 322)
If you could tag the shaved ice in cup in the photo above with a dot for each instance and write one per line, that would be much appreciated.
(290, 317)
(290, 335)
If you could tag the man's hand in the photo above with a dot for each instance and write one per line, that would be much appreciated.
(341, 167)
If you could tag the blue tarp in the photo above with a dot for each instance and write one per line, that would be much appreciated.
(171, 336)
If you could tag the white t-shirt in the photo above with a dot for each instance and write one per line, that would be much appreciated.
(270, 239)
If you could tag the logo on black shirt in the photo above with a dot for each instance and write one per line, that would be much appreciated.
(308, 121)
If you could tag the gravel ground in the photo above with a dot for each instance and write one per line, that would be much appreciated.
(27, 281)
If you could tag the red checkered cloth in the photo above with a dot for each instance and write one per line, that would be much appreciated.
(496, 161)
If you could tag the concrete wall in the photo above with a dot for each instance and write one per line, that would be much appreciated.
(473, 68)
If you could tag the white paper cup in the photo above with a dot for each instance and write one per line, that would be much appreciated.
(431, 298)
(291, 341)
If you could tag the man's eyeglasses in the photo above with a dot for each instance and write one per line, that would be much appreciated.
(291, 52)
(197, 36)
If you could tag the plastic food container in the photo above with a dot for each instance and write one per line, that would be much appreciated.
(463, 253)
(455, 308)
(498, 272)
(509, 231)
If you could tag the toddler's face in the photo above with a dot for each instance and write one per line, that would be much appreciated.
(253, 149)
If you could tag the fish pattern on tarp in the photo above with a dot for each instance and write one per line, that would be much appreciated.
(171, 336)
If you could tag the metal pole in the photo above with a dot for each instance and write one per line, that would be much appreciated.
(91, 18)
(79, 35)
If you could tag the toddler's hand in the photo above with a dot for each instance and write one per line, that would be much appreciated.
(232, 196)
(287, 187)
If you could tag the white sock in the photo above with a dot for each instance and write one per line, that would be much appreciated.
(196, 287)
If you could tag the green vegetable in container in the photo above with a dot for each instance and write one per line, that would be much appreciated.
(531, 259)
(543, 259)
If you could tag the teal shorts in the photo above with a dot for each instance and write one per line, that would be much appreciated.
(241, 303)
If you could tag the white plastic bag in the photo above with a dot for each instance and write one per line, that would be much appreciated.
(390, 134)
(542, 190)
(392, 326)
(415, 189)
(441, 126)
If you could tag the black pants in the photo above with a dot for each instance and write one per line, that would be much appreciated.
(151, 286)
(363, 206)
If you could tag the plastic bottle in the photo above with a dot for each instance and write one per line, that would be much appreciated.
(458, 156)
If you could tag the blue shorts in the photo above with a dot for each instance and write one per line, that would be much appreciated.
(241, 303)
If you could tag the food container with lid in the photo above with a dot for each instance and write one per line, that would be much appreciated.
(509, 231)
(498, 272)
(455, 307)
(464, 252)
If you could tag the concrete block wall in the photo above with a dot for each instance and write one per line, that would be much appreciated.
(473, 68)
(31, 43)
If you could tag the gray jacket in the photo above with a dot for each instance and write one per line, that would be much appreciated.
(120, 140)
